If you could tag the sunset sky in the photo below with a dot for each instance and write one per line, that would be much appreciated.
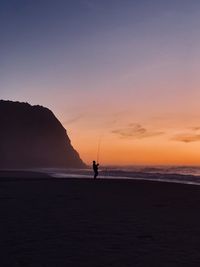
(125, 73)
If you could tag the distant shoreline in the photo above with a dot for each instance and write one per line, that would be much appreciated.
(22, 174)
(27, 175)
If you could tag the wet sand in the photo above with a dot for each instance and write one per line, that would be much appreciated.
(48, 222)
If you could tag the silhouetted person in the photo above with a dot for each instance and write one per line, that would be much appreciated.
(95, 168)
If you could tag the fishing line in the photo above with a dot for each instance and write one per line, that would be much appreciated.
(98, 148)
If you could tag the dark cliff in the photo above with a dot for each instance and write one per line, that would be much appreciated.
(31, 136)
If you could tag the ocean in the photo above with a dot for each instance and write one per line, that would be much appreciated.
(175, 174)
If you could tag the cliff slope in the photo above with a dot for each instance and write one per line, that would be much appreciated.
(31, 136)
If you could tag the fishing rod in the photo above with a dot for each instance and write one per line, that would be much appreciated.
(105, 171)
(98, 148)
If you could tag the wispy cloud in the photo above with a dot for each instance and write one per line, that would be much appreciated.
(136, 131)
(196, 128)
(187, 138)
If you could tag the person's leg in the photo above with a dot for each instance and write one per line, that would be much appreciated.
(95, 175)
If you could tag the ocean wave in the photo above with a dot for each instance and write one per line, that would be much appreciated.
(186, 175)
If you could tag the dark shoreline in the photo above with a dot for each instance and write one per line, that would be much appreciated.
(82, 222)
(12, 175)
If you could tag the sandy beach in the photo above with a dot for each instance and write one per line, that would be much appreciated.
(48, 222)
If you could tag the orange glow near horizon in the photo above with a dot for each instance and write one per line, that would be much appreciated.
(156, 150)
